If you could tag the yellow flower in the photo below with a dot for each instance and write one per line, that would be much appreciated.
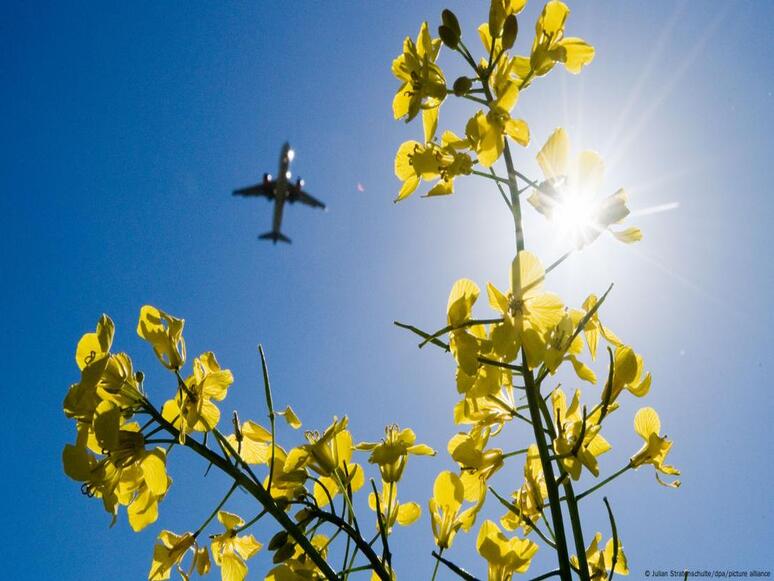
(252, 442)
(285, 483)
(230, 551)
(505, 557)
(551, 46)
(104, 376)
(627, 374)
(465, 342)
(391, 454)
(476, 462)
(290, 417)
(192, 408)
(528, 311)
(165, 334)
(323, 453)
(648, 425)
(594, 328)
(445, 516)
(170, 552)
(423, 83)
(560, 348)
(329, 455)
(415, 162)
(578, 443)
(530, 498)
(567, 196)
(486, 131)
(404, 514)
(94, 346)
(487, 381)
(601, 561)
(298, 566)
(128, 474)
(483, 411)
(109, 378)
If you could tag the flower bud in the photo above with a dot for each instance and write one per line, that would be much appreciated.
(449, 19)
(461, 86)
(448, 36)
(510, 31)
(284, 553)
(496, 18)
(278, 540)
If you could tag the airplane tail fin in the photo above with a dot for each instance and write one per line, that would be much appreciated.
(274, 237)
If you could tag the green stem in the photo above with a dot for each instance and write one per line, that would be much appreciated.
(359, 541)
(421, 333)
(526, 79)
(510, 409)
(251, 522)
(500, 189)
(512, 185)
(270, 405)
(523, 517)
(356, 569)
(585, 493)
(529, 182)
(256, 490)
(449, 328)
(346, 491)
(437, 563)
(548, 575)
(569, 496)
(515, 453)
(386, 556)
(476, 99)
(458, 570)
(577, 530)
(463, 50)
(533, 395)
(217, 508)
(490, 176)
(559, 260)
(614, 531)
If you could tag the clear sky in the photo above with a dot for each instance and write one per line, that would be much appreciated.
(126, 125)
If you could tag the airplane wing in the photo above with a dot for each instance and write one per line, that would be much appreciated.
(296, 194)
(265, 189)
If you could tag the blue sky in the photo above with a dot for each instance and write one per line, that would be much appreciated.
(126, 126)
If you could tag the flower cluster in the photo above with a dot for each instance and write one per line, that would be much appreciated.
(508, 367)
(505, 360)
(124, 463)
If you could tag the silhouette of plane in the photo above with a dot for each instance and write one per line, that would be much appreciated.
(280, 191)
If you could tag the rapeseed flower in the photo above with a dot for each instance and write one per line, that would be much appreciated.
(504, 556)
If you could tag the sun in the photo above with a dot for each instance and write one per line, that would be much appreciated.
(574, 215)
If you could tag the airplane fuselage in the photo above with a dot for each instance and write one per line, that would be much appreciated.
(281, 187)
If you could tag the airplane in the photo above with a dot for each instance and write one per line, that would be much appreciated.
(280, 191)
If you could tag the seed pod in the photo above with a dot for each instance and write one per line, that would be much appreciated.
(449, 19)
(278, 540)
(461, 86)
(448, 36)
(496, 18)
(284, 553)
(302, 515)
(510, 31)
